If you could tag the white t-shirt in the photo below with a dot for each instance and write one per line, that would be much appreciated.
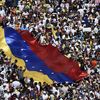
(25, 13)
(81, 11)
(44, 96)
(96, 21)
(16, 84)
(38, 86)
(2, 13)
(6, 96)
(42, 39)
(21, 7)
(95, 30)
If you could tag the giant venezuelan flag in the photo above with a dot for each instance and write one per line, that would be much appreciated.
(43, 63)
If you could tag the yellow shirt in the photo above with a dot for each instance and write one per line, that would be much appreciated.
(2, 2)
(54, 32)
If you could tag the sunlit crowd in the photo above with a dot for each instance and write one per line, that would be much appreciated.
(73, 26)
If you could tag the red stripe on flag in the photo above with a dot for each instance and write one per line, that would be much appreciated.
(53, 58)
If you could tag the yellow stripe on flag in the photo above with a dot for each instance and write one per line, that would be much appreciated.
(37, 76)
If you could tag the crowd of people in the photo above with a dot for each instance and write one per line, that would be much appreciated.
(70, 25)
(14, 86)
